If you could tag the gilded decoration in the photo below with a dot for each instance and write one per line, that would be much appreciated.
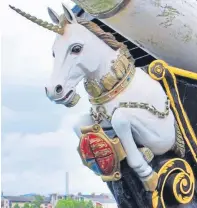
(100, 153)
(103, 155)
(177, 175)
(74, 101)
(109, 81)
(113, 83)
(147, 153)
(101, 112)
(168, 78)
(179, 147)
(117, 89)
(120, 66)
(157, 71)
(151, 183)
(93, 88)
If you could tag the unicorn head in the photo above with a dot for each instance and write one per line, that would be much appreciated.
(78, 53)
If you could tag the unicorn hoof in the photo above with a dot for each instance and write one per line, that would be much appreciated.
(150, 183)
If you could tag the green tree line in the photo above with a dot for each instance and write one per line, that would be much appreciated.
(35, 204)
(63, 203)
(70, 203)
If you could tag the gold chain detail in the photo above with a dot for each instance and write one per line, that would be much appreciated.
(148, 107)
(101, 113)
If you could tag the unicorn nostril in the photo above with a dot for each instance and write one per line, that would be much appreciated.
(58, 89)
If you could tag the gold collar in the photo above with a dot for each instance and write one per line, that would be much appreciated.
(116, 90)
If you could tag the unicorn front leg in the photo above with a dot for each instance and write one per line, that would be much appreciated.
(122, 126)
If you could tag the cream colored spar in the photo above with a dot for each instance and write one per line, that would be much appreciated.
(164, 28)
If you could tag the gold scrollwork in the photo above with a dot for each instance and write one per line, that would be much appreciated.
(116, 176)
(183, 187)
(156, 71)
(95, 128)
(178, 175)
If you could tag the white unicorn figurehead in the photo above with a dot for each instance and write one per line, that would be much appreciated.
(79, 52)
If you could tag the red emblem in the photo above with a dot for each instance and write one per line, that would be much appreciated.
(93, 146)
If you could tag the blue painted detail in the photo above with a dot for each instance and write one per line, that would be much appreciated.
(128, 78)
(76, 9)
(94, 166)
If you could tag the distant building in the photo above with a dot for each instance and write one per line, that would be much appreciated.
(55, 198)
(20, 201)
(101, 200)
(4, 202)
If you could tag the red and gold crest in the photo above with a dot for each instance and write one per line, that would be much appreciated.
(100, 153)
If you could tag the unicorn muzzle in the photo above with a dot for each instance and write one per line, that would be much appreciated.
(69, 99)
(66, 98)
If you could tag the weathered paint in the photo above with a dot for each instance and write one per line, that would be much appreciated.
(101, 8)
(166, 29)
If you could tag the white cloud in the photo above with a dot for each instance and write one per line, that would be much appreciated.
(10, 115)
(8, 178)
(37, 163)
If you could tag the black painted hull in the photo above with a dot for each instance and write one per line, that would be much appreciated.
(128, 191)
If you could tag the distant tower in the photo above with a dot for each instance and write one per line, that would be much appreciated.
(67, 183)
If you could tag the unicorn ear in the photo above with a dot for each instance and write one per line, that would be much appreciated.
(69, 14)
(53, 15)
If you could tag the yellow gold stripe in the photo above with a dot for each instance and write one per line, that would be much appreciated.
(183, 111)
(176, 71)
(183, 73)
(178, 118)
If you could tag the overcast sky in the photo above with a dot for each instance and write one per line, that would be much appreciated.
(38, 145)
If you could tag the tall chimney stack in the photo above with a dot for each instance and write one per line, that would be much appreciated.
(67, 184)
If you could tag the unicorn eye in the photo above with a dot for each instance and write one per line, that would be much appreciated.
(76, 49)
(53, 54)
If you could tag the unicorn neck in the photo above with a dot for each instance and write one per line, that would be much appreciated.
(111, 72)
(105, 67)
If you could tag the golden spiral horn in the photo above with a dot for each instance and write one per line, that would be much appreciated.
(49, 26)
